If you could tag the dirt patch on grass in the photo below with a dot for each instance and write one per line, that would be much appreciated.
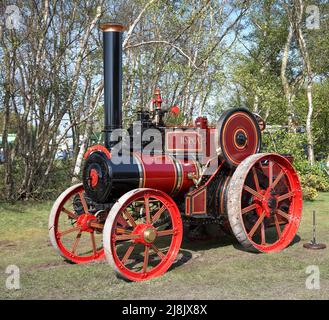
(59, 263)
(7, 244)
(48, 265)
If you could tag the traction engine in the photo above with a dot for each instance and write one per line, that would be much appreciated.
(135, 202)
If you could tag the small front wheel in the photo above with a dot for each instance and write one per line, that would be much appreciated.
(142, 234)
(74, 232)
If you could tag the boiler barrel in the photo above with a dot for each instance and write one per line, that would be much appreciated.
(107, 178)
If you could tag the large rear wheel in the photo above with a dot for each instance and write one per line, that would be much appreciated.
(264, 203)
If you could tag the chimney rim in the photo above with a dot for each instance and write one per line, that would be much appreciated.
(112, 27)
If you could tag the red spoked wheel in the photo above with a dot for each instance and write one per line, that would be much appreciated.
(142, 234)
(74, 232)
(264, 203)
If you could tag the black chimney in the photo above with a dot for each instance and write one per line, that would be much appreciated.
(112, 42)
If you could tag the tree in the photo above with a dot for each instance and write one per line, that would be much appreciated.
(43, 63)
(295, 12)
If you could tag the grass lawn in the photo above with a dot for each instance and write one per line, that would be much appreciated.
(211, 270)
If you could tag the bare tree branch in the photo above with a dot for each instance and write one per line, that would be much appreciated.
(166, 43)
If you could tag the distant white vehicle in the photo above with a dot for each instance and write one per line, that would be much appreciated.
(2, 156)
(63, 154)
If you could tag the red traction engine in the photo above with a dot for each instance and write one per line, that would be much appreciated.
(134, 206)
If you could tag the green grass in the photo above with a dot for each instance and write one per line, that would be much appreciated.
(212, 270)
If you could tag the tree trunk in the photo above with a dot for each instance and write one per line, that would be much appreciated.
(286, 86)
(310, 146)
(256, 103)
(6, 150)
(78, 163)
(299, 7)
(8, 179)
(92, 106)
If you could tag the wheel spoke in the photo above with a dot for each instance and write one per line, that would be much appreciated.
(270, 174)
(122, 221)
(147, 208)
(257, 224)
(126, 237)
(60, 234)
(84, 203)
(76, 242)
(70, 213)
(122, 231)
(277, 226)
(96, 225)
(93, 242)
(158, 214)
(157, 251)
(285, 196)
(130, 218)
(262, 234)
(146, 258)
(254, 172)
(165, 233)
(261, 166)
(253, 192)
(249, 208)
(277, 179)
(283, 214)
(128, 253)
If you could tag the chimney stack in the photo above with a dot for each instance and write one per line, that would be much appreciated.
(112, 55)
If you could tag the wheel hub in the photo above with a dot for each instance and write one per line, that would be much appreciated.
(268, 203)
(149, 235)
(272, 203)
(84, 222)
(241, 139)
(93, 178)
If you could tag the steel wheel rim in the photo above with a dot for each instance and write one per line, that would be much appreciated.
(260, 227)
(150, 250)
(57, 235)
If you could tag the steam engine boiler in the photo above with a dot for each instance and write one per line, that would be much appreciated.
(148, 185)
